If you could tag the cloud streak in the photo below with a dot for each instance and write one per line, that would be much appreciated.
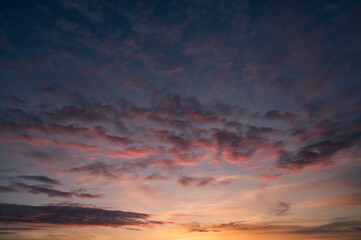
(42, 179)
(73, 216)
(41, 189)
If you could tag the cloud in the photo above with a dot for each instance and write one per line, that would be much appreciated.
(166, 163)
(339, 201)
(199, 182)
(35, 189)
(111, 171)
(178, 142)
(319, 153)
(73, 215)
(56, 122)
(156, 177)
(276, 176)
(329, 228)
(160, 64)
(202, 181)
(8, 189)
(196, 227)
(36, 141)
(88, 195)
(14, 230)
(43, 179)
(225, 182)
(97, 169)
(223, 139)
(238, 148)
(281, 209)
(177, 215)
(89, 11)
(186, 108)
(279, 115)
(38, 189)
(190, 159)
(39, 155)
(13, 100)
(73, 112)
(333, 227)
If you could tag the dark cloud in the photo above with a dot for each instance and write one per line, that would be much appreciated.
(73, 216)
(226, 182)
(202, 181)
(283, 84)
(88, 195)
(14, 100)
(161, 64)
(73, 112)
(111, 171)
(228, 140)
(196, 227)
(45, 189)
(176, 106)
(179, 142)
(254, 131)
(238, 148)
(35, 189)
(97, 168)
(279, 115)
(319, 153)
(9, 170)
(333, 227)
(15, 230)
(281, 209)
(199, 182)
(345, 227)
(43, 179)
(156, 177)
(7, 233)
(242, 226)
(36, 141)
(8, 189)
(89, 11)
(68, 120)
(39, 155)
(18, 115)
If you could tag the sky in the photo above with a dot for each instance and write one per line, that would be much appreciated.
(180, 120)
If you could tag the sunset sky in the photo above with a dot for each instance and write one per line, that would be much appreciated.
(180, 120)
